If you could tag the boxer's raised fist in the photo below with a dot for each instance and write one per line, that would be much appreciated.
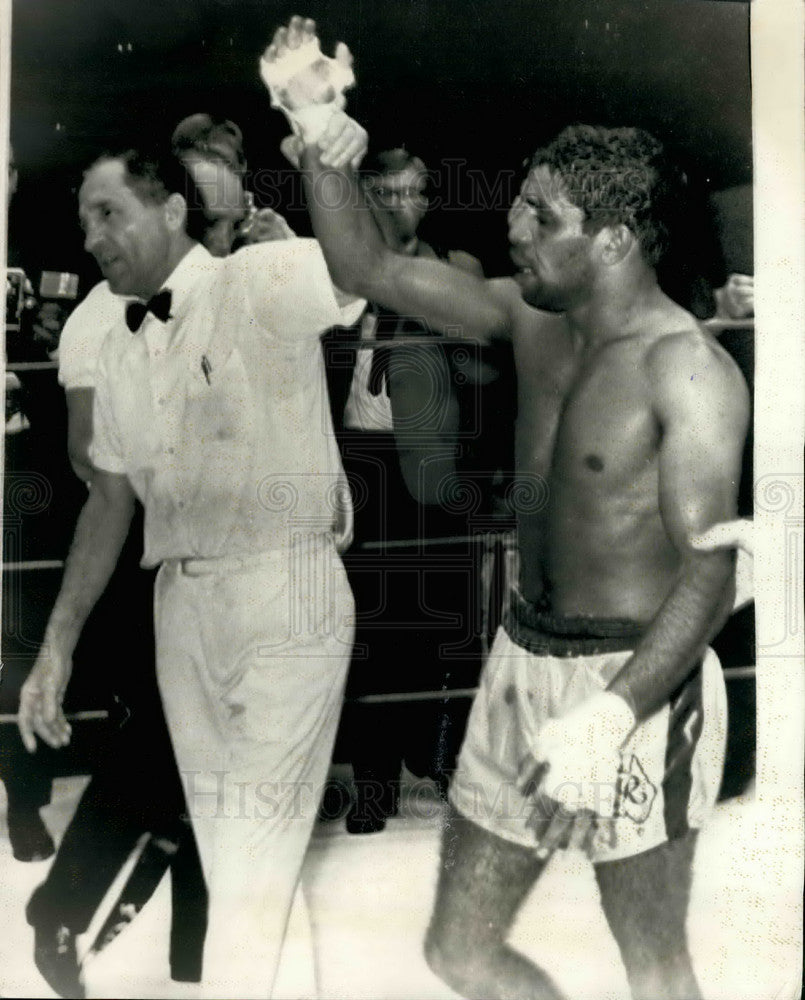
(304, 84)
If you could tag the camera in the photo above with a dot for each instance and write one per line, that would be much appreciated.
(33, 319)
(19, 297)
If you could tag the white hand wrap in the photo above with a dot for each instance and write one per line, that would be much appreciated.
(581, 750)
(278, 73)
(311, 121)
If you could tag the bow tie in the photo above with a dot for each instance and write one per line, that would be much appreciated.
(159, 305)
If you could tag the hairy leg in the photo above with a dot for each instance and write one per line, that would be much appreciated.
(645, 899)
(483, 880)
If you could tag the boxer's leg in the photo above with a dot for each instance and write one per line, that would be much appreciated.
(483, 880)
(645, 900)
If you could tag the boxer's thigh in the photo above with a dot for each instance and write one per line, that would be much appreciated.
(483, 880)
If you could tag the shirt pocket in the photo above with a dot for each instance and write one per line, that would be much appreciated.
(217, 433)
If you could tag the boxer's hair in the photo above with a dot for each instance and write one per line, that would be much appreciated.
(154, 176)
(618, 176)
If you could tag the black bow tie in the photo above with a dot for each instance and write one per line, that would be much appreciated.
(159, 305)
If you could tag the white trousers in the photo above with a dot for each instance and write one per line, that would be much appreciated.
(252, 655)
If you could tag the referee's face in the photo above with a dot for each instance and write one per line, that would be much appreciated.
(130, 239)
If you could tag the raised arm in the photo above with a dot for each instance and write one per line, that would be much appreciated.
(303, 83)
(448, 299)
(99, 536)
(702, 405)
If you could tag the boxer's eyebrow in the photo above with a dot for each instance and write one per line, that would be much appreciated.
(539, 205)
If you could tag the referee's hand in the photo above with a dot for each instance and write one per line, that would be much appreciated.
(41, 696)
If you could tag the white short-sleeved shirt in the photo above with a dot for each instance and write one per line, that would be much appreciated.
(219, 417)
(364, 411)
(84, 333)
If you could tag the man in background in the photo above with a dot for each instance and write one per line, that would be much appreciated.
(396, 452)
(27, 781)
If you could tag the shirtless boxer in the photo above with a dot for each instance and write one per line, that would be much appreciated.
(630, 430)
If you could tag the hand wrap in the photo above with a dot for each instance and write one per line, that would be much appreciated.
(309, 121)
(581, 750)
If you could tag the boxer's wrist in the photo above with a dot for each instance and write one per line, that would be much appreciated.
(311, 122)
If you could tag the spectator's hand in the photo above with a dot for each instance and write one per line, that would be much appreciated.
(265, 225)
(41, 697)
(47, 325)
(736, 300)
(307, 86)
(737, 534)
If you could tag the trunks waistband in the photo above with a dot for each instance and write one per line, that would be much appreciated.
(535, 628)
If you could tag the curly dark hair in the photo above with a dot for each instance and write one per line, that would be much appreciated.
(618, 175)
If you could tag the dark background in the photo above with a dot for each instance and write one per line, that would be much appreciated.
(459, 80)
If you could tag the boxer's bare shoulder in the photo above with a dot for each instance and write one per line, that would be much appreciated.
(694, 356)
(697, 391)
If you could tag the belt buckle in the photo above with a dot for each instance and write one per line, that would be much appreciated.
(186, 566)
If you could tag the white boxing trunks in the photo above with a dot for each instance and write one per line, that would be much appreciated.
(540, 667)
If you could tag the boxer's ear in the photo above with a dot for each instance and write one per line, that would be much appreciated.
(615, 241)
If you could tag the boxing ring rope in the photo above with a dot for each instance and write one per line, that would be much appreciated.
(715, 326)
(21, 567)
(32, 366)
(387, 698)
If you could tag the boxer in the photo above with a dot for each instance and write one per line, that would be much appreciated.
(630, 430)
